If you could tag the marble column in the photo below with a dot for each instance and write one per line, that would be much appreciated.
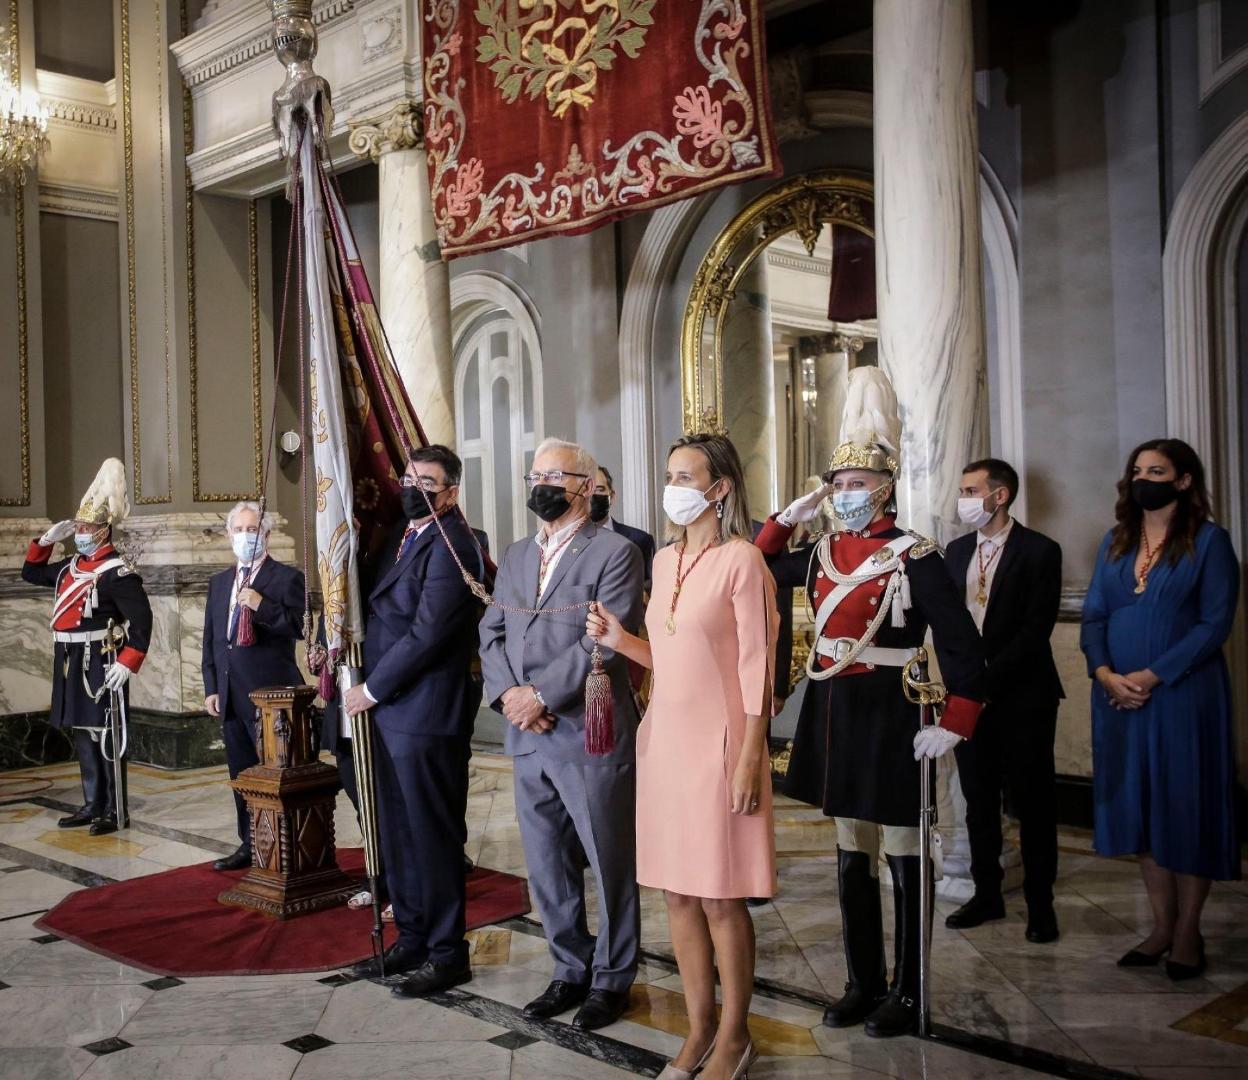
(414, 299)
(831, 381)
(930, 286)
(930, 281)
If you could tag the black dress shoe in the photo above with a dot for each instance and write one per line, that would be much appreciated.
(77, 820)
(398, 959)
(854, 1006)
(1042, 926)
(557, 998)
(236, 860)
(104, 825)
(975, 912)
(431, 977)
(601, 1008)
(898, 1015)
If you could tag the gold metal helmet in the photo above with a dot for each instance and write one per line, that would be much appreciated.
(871, 428)
(106, 501)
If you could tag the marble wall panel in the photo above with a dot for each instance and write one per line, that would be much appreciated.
(1074, 722)
(25, 656)
(159, 684)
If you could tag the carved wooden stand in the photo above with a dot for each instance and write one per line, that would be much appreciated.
(290, 799)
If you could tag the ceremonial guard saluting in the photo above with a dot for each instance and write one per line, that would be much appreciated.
(95, 589)
(875, 589)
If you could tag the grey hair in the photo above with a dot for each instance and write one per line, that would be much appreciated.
(585, 462)
(266, 522)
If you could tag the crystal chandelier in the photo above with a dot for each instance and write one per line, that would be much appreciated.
(23, 122)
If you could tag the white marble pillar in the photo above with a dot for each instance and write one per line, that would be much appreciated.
(930, 286)
(930, 282)
(414, 299)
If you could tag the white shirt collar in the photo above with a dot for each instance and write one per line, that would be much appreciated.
(559, 535)
(607, 523)
(999, 538)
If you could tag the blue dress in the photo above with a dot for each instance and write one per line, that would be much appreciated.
(1163, 776)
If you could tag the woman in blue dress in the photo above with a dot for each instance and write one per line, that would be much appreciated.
(1160, 607)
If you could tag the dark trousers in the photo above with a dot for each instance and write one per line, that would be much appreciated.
(1012, 749)
(345, 760)
(97, 776)
(239, 733)
(422, 787)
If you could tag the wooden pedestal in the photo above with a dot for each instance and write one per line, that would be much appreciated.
(290, 799)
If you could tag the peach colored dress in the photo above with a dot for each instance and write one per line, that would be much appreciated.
(708, 676)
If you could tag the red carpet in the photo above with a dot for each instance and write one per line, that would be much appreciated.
(171, 923)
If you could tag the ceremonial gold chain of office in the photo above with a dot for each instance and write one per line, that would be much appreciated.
(981, 597)
(548, 557)
(680, 582)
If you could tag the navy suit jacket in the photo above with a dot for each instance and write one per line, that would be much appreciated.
(421, 634)
(1022, 611)
(233, 672)
(644, 541)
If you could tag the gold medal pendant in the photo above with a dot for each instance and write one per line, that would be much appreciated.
(671, 624)
(1140, 587)
(981, 598)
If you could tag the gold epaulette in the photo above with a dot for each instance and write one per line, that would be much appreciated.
(924, 546)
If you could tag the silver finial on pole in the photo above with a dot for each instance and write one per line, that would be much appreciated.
(294, 43)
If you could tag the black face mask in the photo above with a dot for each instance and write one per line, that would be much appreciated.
(1153, 494)
(415, 507)
(549, 502)
(599, 508)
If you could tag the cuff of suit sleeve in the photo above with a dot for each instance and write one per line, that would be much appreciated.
(773, 537)
(131, 658)
(960, 715)
(38, 553)
(368, 693)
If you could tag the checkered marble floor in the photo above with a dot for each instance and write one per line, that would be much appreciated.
(69, 1013)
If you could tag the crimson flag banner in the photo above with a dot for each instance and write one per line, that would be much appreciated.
(552, 117)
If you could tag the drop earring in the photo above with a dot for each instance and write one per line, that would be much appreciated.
(719, 509)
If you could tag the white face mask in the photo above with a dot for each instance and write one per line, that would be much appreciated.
(971, 512)
(86, 544)
(685, 505)
(247, 546)
(855, 508)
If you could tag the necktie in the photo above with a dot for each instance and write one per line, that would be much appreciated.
(243, 574)
(409, 534)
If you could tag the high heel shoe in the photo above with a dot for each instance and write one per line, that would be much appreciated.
(750, 1055)
(1181, 972)
(674, 1072)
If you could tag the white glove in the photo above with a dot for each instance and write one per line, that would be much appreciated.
(934, 742)
(804, 509)
(116, 676)
(62, 530)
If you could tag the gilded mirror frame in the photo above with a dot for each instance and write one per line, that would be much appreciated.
(804, 205)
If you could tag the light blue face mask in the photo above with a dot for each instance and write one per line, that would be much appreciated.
(87, 544)
(854, 508)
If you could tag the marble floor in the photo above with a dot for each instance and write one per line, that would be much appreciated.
(69, 1013)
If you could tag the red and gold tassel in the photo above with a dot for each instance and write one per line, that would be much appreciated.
(599, 709)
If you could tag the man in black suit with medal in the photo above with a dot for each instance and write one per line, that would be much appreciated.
(1012, 577)
(419, 646)
(268, 595)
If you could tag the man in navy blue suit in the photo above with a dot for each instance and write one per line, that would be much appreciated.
(273, 593)
(419, 645)
(601, 503)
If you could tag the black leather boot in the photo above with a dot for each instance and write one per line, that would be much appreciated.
(899, 1014)
(862, 925)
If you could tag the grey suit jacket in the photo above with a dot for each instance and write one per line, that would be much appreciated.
(552, 652)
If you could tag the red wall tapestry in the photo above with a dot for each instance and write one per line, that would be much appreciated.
(546, 117)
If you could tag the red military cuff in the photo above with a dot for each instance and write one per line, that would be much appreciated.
(38, 553)
(960, 715)
(773, 537)
(132, 658)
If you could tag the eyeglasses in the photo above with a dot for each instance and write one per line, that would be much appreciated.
(553, 476)
(425, 483)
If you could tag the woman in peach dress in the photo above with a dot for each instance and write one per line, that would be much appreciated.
(704, 810)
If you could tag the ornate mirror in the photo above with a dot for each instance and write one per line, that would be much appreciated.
(781, 307)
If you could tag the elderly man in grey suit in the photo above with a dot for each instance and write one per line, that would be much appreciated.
(574, 807)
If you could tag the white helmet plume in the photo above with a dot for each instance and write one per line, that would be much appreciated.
(870, 417)
(106, 501)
